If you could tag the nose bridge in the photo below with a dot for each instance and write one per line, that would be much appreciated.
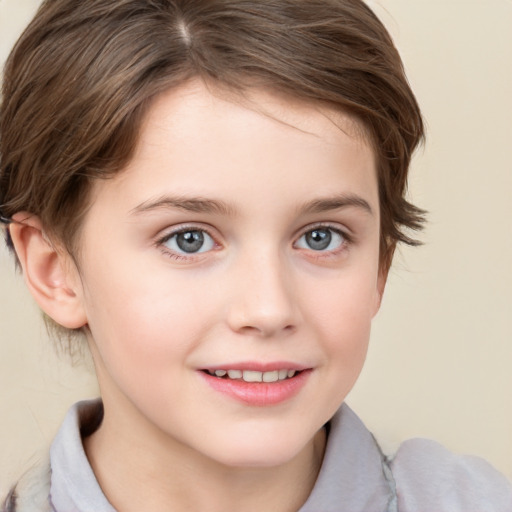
(263, 302)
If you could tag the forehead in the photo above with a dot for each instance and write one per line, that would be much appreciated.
(209, 140)
(198, 102)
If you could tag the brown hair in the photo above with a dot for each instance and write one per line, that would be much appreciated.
(81, 77)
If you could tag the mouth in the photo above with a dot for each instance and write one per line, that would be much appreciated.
(254, 376)
(257, 385)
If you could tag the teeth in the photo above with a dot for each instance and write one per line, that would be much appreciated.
(271, 376)
(249, 376)
(254, 376)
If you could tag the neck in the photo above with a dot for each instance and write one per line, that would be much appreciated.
(138, 471)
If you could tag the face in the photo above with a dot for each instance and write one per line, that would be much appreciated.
(230, 274)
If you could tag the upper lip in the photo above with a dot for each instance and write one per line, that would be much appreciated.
(259, 366)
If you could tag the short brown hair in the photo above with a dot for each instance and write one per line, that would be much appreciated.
(81, 77)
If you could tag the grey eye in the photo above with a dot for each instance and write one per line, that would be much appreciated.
(190, 242)
(320, 239)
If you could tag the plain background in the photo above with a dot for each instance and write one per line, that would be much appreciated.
(440, 360)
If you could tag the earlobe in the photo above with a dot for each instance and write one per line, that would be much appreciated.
(49, 273)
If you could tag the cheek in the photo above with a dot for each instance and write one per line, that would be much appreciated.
(342, 311)
(341, 317)
(143, 318)
(142, 336)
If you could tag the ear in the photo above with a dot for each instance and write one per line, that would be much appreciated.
(50, 273)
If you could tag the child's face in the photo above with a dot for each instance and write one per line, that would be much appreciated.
(237, 241)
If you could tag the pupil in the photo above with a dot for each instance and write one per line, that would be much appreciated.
(190, 241)
(319, 239)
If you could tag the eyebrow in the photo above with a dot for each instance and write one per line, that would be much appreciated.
(336, 203)
(188, 204)
(203, 205)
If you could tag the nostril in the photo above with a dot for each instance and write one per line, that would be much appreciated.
(257, 314)
(266, 331)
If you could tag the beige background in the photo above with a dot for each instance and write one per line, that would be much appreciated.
(441, 355)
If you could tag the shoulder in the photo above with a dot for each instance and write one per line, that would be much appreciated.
(60, 470)
(31, 493)
(430, 478)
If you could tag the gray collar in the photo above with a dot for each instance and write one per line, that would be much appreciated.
(74, 487)
(355, 475)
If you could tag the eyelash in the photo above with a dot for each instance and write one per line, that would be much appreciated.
(320, 254)
(160, 243)
(346, 241)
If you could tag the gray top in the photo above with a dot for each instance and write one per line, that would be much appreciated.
(355, 476)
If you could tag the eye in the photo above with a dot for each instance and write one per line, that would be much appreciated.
(321, 239)
(189, 241)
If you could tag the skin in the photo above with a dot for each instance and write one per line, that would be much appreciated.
(157, 316)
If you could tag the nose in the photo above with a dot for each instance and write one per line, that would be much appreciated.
(262, 301)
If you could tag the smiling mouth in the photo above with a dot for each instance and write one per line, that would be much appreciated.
(254, 376)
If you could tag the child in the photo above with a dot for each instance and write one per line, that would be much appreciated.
(210, 192)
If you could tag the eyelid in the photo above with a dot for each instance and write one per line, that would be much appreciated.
(343, 232)
(334, 226)
(161, 239)
(168, 233)
(180, 227)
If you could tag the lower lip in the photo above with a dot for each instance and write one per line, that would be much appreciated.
(259, 393)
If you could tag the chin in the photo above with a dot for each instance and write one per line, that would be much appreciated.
(261, 450)
(258, 459)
